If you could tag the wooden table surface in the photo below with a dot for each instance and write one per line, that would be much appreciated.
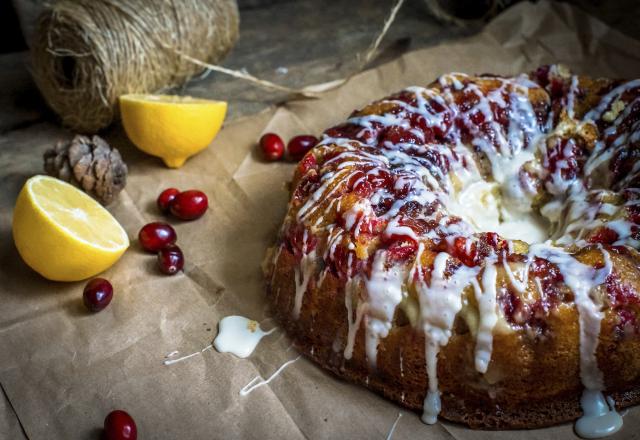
(295, 43)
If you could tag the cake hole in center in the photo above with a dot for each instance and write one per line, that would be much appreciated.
(482, 206)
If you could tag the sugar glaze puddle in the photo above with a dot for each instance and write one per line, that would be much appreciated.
(239, 336)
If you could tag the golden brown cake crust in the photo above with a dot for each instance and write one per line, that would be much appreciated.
(536, 370)
(546, 392)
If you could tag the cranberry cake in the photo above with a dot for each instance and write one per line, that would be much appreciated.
(469, 250)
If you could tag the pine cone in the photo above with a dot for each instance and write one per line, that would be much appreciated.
(89, 163)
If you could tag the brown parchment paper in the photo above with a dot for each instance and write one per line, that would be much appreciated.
(62, 370)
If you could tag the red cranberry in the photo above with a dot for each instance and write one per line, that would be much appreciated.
(155, 236)
(165, 198)
(119, 425)
(402, 250)
(299, 145)
(464, 252)
(604, 235)
(170, 259)
(189, 205)
(97, 294)
(272, 146)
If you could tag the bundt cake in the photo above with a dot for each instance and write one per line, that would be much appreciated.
(470, 250)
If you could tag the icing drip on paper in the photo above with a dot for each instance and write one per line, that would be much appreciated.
(600, 418)
(258, 381)
(184, 358)
(239, 336)
(393, 427)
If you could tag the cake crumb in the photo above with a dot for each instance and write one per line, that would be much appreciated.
(615, 110)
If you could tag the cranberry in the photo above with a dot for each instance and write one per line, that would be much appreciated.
(463, 251)
(190, 205)
(604, 236)
(402, 250)
(397, 135)
(300, 145)
(165, 199)
(119, 425)
(97, 294)
(344, 263)
(155, 236)
(541, 75)
(353, 131)
(170, 259)
(272, 146)
(299, 241)
(307, 164)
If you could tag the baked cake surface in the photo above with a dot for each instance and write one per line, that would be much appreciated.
(469, 249)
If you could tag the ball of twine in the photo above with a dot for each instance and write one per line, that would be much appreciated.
(86, 53)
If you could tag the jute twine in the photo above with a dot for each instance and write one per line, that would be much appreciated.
(86, 53)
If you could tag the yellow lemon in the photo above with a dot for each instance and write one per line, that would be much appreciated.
(171, 127)
(64, 234)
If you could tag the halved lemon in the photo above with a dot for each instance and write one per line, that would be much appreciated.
(64, 234)
(173, 128)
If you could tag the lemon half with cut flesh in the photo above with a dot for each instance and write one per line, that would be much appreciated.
(173, 128)
(63, 233)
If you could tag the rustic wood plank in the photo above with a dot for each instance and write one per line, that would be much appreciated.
(20, 101)
(295, 43)
(314, 41)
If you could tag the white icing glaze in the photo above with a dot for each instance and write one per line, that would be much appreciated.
(432, 407)
(599, 419)
(393, 427)
(486, 298)
(258, 381)
(184, 358)
(351, 291)
(440, 302)
(581, 279)
(302, 275)
(384, 290)
(571, 96)
(479, 205)
(238, 335)
(519, 284)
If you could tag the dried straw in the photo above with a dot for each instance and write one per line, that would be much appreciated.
(86, 53)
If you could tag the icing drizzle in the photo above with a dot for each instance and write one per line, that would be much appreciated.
(238, 335)
(440, 302)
